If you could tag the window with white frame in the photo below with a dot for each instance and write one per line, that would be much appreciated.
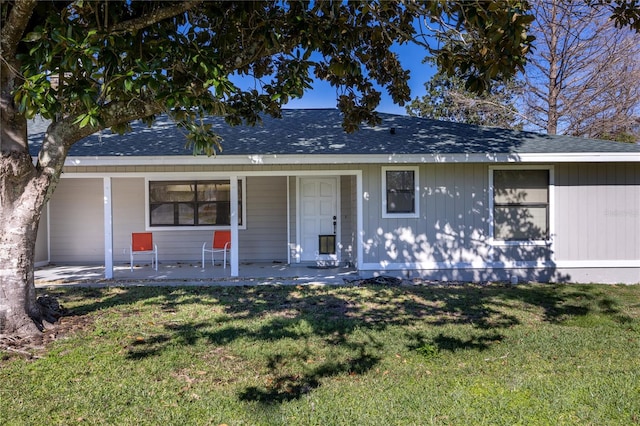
(400, 192)
(192, 203)
(521, 204)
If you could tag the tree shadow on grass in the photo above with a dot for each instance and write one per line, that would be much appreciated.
(289, 387)
(482, 342)
(345, 319)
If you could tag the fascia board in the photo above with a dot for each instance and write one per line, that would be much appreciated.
(298, 159)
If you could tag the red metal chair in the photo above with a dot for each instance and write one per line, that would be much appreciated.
(142, 243)
(221, 244)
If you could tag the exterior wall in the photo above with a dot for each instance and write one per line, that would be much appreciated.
(293, 210)
(597, 212)
(598, 222)
(77, 221)
(265, 238)
(77, 212)
(128, 210)
(452, 227)
(42, 240)
(596, 208)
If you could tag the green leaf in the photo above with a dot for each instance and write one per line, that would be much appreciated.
(33, 36)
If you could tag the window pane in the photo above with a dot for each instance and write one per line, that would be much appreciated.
(162, 214)
(400, 202)
(521, 204)
(400, 191)
(521, 186)
(400, 180)
(171, 192)
(176, 203)
(214, 191)
(207, 214)
(186, 214)
(521, 223)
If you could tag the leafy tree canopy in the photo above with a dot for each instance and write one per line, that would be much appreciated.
(127, 60)
(448, 99)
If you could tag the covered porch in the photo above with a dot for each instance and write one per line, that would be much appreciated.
(276, 219)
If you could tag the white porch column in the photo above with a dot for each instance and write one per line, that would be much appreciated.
(234, 225)
(108, 229)
(360, 196)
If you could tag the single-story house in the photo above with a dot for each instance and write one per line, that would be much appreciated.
(410, 197)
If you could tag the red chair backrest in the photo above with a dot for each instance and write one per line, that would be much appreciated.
(220, 238)
(142, 241)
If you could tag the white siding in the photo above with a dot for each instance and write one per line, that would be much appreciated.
(42, 240)
(452, 225)
(597, 212)
(77, 218)
(265, 238)
(596, 209)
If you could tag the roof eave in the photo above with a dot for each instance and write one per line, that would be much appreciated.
(289, 159)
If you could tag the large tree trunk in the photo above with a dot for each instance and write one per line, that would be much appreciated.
(24, 188)
(22, 197)
(555, 79)
(19, 311)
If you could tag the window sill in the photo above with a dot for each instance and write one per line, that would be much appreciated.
(400, 215)
(520, 243)
(190, 228)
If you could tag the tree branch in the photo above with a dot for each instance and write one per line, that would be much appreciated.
(14, 27)
(142, 22)
(62, 134)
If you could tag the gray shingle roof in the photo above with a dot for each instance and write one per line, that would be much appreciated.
(319, 131)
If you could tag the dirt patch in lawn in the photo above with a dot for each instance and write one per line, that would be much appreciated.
(33, 347)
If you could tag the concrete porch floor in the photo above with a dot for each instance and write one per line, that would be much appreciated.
(191, 273)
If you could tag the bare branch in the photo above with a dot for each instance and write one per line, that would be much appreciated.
(577, 79)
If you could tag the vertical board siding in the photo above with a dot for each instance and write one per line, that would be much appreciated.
(372, 206)
(42, 240)
(597, 212)
(77, 218)
(128, 210)
(596, 208)
(293, 206)
(348, 219)
(457, 228)
(265, 238)
(452, 225)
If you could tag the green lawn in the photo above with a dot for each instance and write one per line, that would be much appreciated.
(279, 355)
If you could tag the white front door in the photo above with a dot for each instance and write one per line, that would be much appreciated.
(318, 239)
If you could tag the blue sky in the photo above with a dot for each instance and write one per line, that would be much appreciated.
(410, 55)
(324, 96)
